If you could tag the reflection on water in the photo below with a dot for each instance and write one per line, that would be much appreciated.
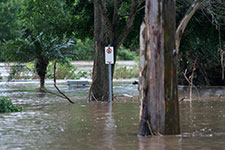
(50, 123)
(159, 143)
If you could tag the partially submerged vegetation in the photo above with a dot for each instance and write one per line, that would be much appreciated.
(126, 72)
(64, 71)
(6, 106)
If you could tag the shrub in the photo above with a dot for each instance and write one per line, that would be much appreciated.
(126, 54)
(6, 105)
(84, 50)
(65, 71)
(126, 73)
(22, 71)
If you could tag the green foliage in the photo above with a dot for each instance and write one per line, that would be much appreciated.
(65, 71)
(9, 20)
(82, 18)
(39, 47)
(83, 49)
(201, 40)
(126, 54)
(46, 25)
(126, 73)
(49, 17)
(6, 106)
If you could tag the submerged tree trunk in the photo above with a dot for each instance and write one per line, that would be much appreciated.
(99, 88)
(158, 77)
(41, 67)
(104, 35)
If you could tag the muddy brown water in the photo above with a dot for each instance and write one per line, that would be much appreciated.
(50, 123)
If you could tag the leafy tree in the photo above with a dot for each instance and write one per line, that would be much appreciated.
(46, 37)
(203, 38)
(9, 20)
(82, 18)
(113, 21)
(47, 17)
(40, 49)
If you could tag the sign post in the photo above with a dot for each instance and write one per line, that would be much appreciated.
(109, 59)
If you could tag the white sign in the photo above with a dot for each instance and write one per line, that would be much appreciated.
(109, 55)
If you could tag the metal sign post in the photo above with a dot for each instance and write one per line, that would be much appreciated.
(109, 59)
(110, 83)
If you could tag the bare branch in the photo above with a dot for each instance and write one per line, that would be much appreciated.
(139, 9)
(191, 77)
(180, 30)
(58, 88)
(221, 52)
(129, 23)
(140, 4)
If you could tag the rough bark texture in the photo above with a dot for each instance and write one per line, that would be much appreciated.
(99, 88)
(41, 67)
(172, 122)
(158, 78)
(142, 70)
(105, 34)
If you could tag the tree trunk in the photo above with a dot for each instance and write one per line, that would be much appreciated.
(172, 121)
(159, 102)
(41, 67)
(100, 87)
(105, 34)
(142, 69)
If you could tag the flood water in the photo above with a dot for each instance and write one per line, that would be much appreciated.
(51, 123)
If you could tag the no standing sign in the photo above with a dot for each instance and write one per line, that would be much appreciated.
(109, 55)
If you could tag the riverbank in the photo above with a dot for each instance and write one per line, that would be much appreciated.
(123, 69)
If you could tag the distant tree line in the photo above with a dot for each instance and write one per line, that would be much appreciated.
(70, 23)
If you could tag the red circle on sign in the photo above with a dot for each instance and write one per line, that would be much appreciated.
(109, 50)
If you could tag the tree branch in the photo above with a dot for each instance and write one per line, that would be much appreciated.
(129, 23)
(191, 77)
(58, 88)
(108, 21)
(115, 13)
(139, 5)
(180, 30)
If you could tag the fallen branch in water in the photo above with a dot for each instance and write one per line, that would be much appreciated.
(60, 92)
(47, 91)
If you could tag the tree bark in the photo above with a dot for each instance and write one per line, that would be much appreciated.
(41, 67)
(105, 34)
(158, 78)
(99, 88)
(142, 69)
(172, 121)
